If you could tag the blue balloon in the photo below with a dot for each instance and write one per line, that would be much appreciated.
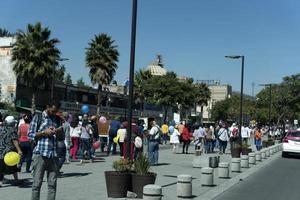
(85, 109)
(171, 129)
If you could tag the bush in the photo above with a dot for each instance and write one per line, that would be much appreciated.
(122, 165)
(142, 165)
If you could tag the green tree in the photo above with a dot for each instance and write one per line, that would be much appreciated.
(60, 73)
(101, 59)
(229, 109)
(163, 91)
(141, 79)
(68, 79)
(80, 83)
(5, 33)
(34, 56)
(202, 96)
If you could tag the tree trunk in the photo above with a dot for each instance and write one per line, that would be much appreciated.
(33, 103)
(99, 99)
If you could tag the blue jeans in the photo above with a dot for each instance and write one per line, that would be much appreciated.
(153, 152)
(86, 146)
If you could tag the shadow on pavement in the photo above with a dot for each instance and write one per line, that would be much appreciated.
(22, 183)
(162, 164)
(68, 175)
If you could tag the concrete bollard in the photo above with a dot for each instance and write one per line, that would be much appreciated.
(267, 152)
(258, 156)
(224, 170)
(275, 148)
(280, 147)
(244, 161)
(271, 150)
(184, 186)
(252, 160)
(207, 176)
(152, 192)
(236, 165)
(263, 154)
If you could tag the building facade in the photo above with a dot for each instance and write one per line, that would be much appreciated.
(7, 76)
(218, 93)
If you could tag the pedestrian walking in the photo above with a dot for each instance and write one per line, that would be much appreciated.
(75, 132)
(114, 126)
(199, 135)
(9, 143)
(25, 144)
(174, 138)
(223, 138)
(258, 136)
(186, 138)
(154, 137)
(45, 153)
(85, 140)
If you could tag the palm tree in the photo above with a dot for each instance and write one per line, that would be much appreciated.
(101, 59)
(35, 56)
(202, 96)
(5, 33)
(140, 82)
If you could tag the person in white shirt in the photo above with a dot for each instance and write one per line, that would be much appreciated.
(223, 138)
(199, 135)
(75, 132)
(245, 134)
(122, 135)
(174, 137)
(154, 136)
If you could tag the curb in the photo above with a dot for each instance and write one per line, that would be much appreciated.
(213, 193)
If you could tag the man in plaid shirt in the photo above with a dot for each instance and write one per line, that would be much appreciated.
(44, 153)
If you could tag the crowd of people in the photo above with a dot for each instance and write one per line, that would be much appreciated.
(48, 140)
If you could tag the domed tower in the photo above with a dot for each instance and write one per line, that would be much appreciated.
(156, 68)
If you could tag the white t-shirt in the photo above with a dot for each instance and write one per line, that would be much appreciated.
(122, 133)
(245, 132)
(223, 134)
(75, 132)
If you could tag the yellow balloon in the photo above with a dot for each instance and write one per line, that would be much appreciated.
(12, 158)
(116, 139)
(165, 129)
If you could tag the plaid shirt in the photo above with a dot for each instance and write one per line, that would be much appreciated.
(46, 146)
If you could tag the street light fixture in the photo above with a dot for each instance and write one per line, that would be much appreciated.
(242, 90)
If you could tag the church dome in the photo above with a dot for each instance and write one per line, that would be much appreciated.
(156, 68)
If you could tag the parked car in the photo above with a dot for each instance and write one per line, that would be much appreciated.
(291, 143)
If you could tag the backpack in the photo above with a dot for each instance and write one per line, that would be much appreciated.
(158, 133)
(235, 132)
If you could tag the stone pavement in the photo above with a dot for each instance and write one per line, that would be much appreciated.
(86, 181)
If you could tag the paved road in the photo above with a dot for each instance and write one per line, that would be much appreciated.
(279, 181)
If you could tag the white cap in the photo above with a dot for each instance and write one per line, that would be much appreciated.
(10, 120)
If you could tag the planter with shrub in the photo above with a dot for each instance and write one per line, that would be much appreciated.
(141, 176)
(118, 182)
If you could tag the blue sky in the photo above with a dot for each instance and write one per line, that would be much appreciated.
(192, 36)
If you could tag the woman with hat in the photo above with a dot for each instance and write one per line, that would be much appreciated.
(8, 143)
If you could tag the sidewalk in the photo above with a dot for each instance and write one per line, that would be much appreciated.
(85, 181)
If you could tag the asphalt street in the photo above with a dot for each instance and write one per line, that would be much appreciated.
(278, 181)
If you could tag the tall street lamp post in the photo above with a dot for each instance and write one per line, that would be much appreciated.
(131, 75)
(242, 92)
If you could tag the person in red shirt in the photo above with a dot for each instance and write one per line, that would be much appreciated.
(186, 138)
(25, 144)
